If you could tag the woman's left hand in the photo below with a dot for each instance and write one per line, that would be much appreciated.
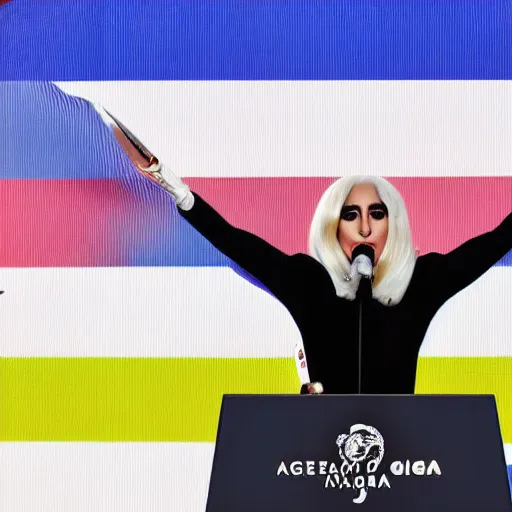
(312, 388)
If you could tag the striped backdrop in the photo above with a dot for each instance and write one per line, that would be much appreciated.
(121, 327)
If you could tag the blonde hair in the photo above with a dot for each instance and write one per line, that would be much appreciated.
(395, 267)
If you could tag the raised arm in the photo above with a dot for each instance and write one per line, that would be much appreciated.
(465, 264)
(283, 275)
(280, 273)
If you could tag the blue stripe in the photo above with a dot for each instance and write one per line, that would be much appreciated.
(39, 122)
(256, 40)
(509, 468)
(506, 261)
(174, 242)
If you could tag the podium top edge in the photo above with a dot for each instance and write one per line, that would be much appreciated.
(439, 396)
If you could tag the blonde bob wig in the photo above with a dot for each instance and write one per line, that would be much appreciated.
(395, 267)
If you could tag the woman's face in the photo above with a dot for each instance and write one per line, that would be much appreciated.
(363, 220)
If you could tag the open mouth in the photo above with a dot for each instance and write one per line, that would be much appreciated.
(371, 251)
(363, 243)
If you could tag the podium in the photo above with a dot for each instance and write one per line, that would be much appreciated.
(366, 453)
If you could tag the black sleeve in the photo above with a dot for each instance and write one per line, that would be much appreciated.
(279, 272)
(465, 264)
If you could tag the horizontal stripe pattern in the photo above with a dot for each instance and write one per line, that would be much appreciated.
(124, 223)
(103, 477)
(284, 129)
(271, 40)
(475, 322)
(125, 220)
(203, 313)
(134, 381)
(149, 312)
(159, 399)
(97, 223)
(129, 399)
(470, 375)
(438, 211)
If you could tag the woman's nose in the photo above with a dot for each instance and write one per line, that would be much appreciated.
(365, 230)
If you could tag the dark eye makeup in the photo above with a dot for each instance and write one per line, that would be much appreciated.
(378, 214)
(351, 215)
(350, 212)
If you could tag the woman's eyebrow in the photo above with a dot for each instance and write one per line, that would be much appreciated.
(355, 207)
(377, 206)
(350, 208)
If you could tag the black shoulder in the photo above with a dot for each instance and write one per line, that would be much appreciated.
(312, 271)
(427, 265)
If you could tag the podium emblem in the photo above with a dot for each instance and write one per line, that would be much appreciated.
(364, 443)
(361, 451)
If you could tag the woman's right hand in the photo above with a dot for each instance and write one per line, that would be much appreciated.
(146, 162)
(165, 178)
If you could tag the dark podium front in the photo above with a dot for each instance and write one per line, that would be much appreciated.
(365, 453)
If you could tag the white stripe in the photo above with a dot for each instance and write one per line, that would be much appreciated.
(135, 311)
(104, 477)
(508, 454)
(317, 128)
(476, 322)
(203, 312)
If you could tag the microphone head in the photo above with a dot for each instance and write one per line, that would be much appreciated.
(364, 250)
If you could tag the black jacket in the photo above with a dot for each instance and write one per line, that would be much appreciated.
(391, 335)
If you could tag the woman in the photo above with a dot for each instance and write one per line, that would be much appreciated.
(320, 290)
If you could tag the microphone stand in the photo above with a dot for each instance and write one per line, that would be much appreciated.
(364, 292)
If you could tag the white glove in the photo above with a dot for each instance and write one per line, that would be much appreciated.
(164, 177)
(156, 172)
(315, 388)
(312, 388)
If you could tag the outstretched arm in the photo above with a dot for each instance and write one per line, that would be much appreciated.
(283, 275)
(275, 269)
(465, 264)
(280, 273)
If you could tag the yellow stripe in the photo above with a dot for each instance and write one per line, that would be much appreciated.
(128, 399)
(470, 375)
(157, 399)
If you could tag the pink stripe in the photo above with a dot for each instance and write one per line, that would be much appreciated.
(443, 212)
(67, 223)
(79, 223)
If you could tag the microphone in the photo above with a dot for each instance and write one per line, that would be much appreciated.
(363, 259)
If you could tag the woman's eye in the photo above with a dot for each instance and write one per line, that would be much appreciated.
(349, 216)
(378, 214)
